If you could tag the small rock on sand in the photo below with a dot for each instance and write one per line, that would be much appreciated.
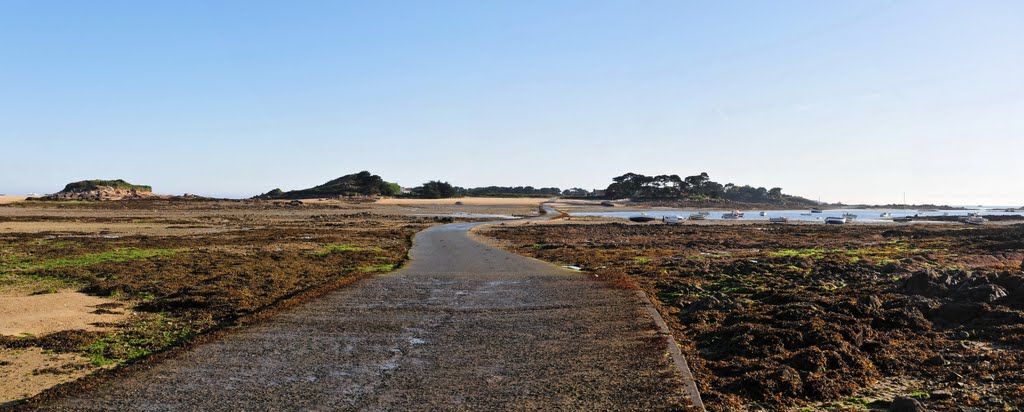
(906, 404)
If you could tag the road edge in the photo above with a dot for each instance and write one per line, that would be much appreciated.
(678, 359)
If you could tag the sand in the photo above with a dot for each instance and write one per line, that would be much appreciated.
(26, 372)
(11, 199)
(21, 312)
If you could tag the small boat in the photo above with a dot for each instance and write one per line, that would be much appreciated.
(835, 220)
(779, 219)
(885, 214)
(805, 214)
(815, 210)
(732, 215)
(850, 216)
(607, 204)
(643, 218)
(672, 220)
(704, 213)
(903, 219)
(698, 216)
(975, 220)
(764, 213)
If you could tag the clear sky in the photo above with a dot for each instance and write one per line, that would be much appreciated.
(853, 101)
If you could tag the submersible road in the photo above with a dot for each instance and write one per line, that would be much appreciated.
(463, 327)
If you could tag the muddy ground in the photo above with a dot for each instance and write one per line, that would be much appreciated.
(173, 271)
(821, 318)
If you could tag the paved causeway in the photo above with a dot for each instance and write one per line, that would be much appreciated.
(463, 327)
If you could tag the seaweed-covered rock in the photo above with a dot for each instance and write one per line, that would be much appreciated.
(906, 404)
(928, 283)
(714, 303)
(986, 293)
(869, 304)
(960, 312)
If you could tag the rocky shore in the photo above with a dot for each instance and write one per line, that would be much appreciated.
(863, 317)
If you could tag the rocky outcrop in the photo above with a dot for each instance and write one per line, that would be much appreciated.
(103, 194)
(105, 190)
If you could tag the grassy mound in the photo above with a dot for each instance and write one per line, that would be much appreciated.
(357, 184)
(96, 184)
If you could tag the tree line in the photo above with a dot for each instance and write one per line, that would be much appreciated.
(436, 189)
(663, 187)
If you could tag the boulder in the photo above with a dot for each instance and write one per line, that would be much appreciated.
(928, 283)
(905, 404)
(869, 304)
(960, 312)
(983, 293)
(786, 380)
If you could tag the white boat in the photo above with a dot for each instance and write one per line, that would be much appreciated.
(975, 220)
(815, 210)
(835, 220)
(764, 213)
(732, 215)
(885, 214)
(697, 216)
(779, 219)
(672, 220)
(850, 216)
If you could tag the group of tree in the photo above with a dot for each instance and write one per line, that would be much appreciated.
(357, 184)
(630, 185)
(436, 189)
(638, 187)
(510, 190)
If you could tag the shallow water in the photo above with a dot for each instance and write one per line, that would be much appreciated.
(466, 215)
(863, 215)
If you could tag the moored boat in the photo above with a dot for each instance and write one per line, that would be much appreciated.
(975, 220)
(779, 219)
(903, 219)
(732, 215)
(764, 213)
(815, 210)
(672, 220)
(835, 220)
(850, 216)
(697, 216)
(641, 219)
(885, 214)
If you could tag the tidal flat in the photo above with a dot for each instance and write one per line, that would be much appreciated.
(819, 317)
(88, 286)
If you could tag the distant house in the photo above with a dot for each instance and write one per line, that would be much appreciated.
(406, 190)
(597, 192)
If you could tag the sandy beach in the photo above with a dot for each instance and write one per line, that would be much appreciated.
(11, 199)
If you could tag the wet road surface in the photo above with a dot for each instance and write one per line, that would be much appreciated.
(463, 327)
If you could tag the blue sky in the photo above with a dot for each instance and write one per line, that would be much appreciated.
(854, 101)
